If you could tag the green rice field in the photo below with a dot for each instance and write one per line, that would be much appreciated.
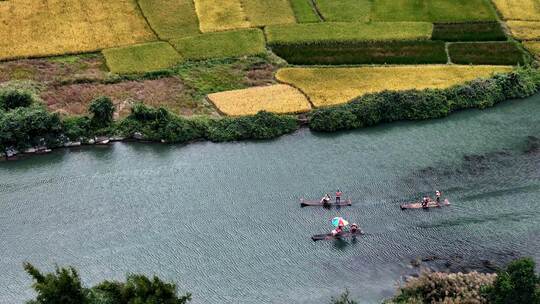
(141, 58)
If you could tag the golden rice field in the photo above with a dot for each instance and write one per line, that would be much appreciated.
(525, 30)
(533, 47)
(330, 86)
(226, 15)
(519, 9)
(278, 98)
(30, 28)
(268, 12)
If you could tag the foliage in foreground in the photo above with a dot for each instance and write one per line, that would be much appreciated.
(516, 284)
(389, 106)
(64, 286)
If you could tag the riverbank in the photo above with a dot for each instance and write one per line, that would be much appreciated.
(28, 127)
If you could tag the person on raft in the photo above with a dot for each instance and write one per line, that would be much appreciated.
(425, 202)
(438, 197)
(354, 228)
(338, 196)
(326, 199)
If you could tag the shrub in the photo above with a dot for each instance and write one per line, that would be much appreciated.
(102, 109)
(15, 98)
(516, 284)
(76, 127)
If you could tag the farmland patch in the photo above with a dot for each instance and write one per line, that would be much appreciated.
(519, 9)
(304, 11)
(468, 31)
(228, 15)
(141, 57)
(524, 30)
(267, 12)
(499, 53)
(278, 98)
(330, 86)
(345, 10)
(221, 45)
(171, 19)
(43, 28)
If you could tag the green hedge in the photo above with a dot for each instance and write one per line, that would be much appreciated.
(468, 31)
(498, 53)
(392, 52)
(390, 106)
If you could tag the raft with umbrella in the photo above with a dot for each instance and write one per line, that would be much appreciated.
(339, 223)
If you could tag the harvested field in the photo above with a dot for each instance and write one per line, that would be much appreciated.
(469, 31)
(345, 10)
(228, 15)
(433, 10)
(499, 53)
(519, 9)
(32, 28)
(524, 30)
(391, 52)
(169, 92)
(278, 98)
(533, 47)
(330, 86)
(171, 19)
(342, 31)
(141, 58)
(268, 12)
(221, 45)
(304, 11)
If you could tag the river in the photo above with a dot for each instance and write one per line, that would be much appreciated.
(223, 220)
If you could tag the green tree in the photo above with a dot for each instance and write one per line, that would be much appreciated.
(343, 299)
(517, 284)
(102, 109)
(62, 286)
(11, 99)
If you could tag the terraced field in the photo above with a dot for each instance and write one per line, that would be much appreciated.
(140, 39)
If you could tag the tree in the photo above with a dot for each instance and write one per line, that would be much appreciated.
(11, 99)
(103, 110)
(62, 286)
(517, 284)
(343, 299)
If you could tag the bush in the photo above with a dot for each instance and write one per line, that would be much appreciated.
(77, 127)
(102, 109)
(15, 98)
(516, 284)
(391, 52)
(390, 106)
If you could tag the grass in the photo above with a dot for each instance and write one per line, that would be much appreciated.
(43, 28)
(433, 10)
(141, 58)
(396, 52)
(304, 11)
(519, 9)
(171, 19)
(221, 45)
(330, 86)
(499, 53)
(345, 10)
(341, 31)
(226, 15)
(524, 30)
(267, 12)
(469, 31)
(278, 98)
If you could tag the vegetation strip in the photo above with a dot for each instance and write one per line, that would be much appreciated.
(268, 12)
(469, 31)
(33, 29)
(381, 52)
(304, 11)
(330, 86)
(141, 58)
(501, 53)
(171, 19)
(280, 98)
(228, 15)
(221, 44)
(343, 31)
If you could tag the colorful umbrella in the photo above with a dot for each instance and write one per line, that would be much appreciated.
(339, 221)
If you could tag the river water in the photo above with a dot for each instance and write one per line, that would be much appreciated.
(223, 220)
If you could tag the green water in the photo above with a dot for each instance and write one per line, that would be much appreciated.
(223, 220)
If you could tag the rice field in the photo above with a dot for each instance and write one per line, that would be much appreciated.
(141, 58)
(345, 10)
(533, 47)
(228, 15)
(304, 11)
(433, 10)
(30, 28)
(519, 9)
(524, 30)
(221, 44)
(499, 52)
(267, 12)
(278, 98)
(331, 86)
(342, 31)
(171, 19)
